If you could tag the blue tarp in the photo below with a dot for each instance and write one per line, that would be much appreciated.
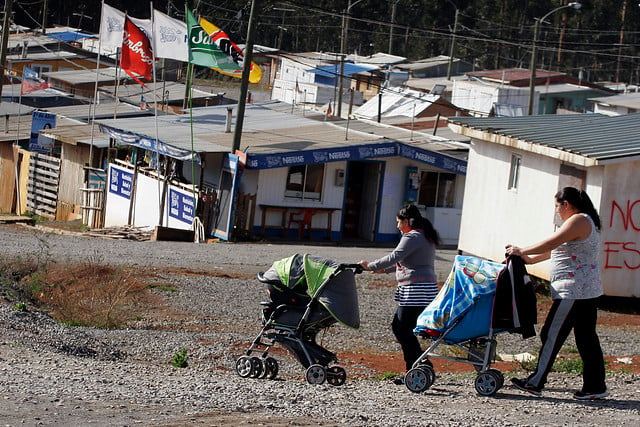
(349, 69)
(68, 36)
(130, 138)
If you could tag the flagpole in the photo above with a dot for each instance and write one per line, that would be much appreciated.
(188, 101)
(92, 107)
(244, 85)
(161, 191)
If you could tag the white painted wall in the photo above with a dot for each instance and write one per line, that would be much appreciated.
(480, 96)
(146, 207)
(493, 216)
(270, 191)
(620, 215)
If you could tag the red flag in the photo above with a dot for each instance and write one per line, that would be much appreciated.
(136, 52)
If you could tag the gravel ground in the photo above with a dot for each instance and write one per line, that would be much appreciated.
(53, 374)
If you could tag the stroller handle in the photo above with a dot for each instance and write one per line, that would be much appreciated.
(357, 268)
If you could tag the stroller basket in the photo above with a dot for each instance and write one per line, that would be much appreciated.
(307, 294)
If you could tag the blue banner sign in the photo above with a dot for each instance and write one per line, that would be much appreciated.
(433, 158)
(354, 153)
(181, 206)
(120, 182)
(41, 120)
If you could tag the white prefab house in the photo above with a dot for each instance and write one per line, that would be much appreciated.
(517, 164)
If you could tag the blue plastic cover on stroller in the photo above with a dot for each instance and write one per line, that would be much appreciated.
(468, 291)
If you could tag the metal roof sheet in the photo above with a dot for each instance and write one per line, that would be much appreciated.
(271, 128)
(594, 136)
(628, 100)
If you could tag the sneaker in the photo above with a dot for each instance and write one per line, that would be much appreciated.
(581, 395)
(522, 384)
(399, 381)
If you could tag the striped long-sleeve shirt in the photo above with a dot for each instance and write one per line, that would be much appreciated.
(413, 260)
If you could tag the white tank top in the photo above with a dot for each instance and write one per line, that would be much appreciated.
(575, 273)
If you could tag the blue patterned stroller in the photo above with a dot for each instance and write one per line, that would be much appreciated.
(461, 316)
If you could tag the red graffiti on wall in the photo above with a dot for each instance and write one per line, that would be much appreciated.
(619, 255)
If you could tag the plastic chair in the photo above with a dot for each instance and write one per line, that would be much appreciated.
(303, 218)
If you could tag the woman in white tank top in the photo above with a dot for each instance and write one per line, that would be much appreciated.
(575, 288)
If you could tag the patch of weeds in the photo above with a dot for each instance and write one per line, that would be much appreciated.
(386, 376)
(20, 306)
(180, 358)
(163, 287)
(88, 294)
(569, 365)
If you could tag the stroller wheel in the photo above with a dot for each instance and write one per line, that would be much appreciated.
(336, 375)
(244, 366)
(316, 374)
(488, 383)
(419, 379)
(270, 368)
(256, 367)
(500, 377)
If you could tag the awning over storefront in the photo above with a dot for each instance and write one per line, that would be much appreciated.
(141, 141)
(355, 153)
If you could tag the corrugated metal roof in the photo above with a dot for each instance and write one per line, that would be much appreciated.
(271, 128)
(75, 77)
(628, 100)
(595, 136)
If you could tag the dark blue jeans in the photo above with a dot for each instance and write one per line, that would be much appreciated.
(404, 322)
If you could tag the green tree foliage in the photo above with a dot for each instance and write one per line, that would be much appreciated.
(598, 42)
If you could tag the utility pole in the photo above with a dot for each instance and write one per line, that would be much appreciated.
(623, 15)
(393, 21)
(244, 85)
(453, 42)
(6, 27)
(44, 17)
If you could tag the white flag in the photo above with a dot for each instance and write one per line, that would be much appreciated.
(111, 26)
(145, 26)
(170, 37)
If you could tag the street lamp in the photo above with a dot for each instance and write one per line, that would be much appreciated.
(532, 82)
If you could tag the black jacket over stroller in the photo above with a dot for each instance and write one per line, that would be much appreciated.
(308, 294)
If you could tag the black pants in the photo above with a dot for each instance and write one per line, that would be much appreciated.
(581, 316)
(404, 322)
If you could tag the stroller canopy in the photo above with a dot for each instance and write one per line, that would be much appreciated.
(321, 279)
(470, 278)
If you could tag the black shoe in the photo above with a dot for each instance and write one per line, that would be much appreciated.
(524, 386)
(399, 381)
(581, 395)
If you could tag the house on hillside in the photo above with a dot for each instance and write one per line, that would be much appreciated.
(313, 78)
(351, 177)
(50, 52)
(405, 103)
(616, 105)
(516, 165)
(437, 66)
(488, 92)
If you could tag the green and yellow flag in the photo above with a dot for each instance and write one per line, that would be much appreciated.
(224, 43)
(203, 50)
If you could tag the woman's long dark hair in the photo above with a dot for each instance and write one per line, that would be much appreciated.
(581, 201)
(417, 221)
